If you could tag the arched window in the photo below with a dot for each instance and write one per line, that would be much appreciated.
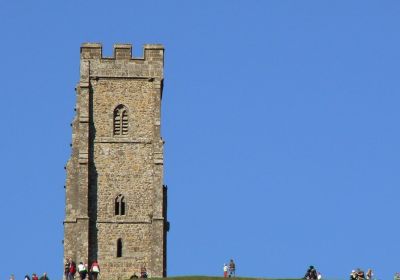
(121, 120)
(119, 248)
(119, 205)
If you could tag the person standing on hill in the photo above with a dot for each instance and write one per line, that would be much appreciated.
(66, 267)
(232, 269)
(143, 272)
(360, 274)
(82, 270)
(311, 273)
(72, 270)
(95, 270)
(44, 277)
(370, 274)
(225, 270)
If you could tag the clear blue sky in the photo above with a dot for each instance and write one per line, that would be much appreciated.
(281, 121)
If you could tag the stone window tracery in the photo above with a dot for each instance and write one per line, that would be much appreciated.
(119, 205)
(121, 120)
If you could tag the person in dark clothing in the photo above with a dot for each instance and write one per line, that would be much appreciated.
(44, 277)
(311, 273)
(232, 268)
(360, 275)
(143, 272)
(66, 268)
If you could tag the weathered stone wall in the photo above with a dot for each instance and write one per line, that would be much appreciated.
(135, 246)
(103, 165)
(136, 95)
(124, 169)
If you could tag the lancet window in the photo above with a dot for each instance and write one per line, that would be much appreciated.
(119, 205)
(121, 120)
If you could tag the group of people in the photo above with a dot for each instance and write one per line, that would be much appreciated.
(358, 274)
(230, 270)
(34, 277)
(143, 273)
(70, 269)
(312, 274)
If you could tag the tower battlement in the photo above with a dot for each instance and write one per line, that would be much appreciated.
(151, 52)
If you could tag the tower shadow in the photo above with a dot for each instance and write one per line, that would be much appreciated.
(92, 192)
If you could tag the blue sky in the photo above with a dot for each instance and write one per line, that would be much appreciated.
(280, 120)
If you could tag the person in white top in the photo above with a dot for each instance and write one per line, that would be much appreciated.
(225, 270)
(82, 270)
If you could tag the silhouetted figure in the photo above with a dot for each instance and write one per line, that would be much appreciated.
(232, 269)
(311, 273)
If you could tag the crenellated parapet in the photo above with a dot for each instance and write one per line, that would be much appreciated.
(152, 53)
(122, 64)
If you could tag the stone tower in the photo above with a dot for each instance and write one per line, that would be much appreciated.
(115, 198)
